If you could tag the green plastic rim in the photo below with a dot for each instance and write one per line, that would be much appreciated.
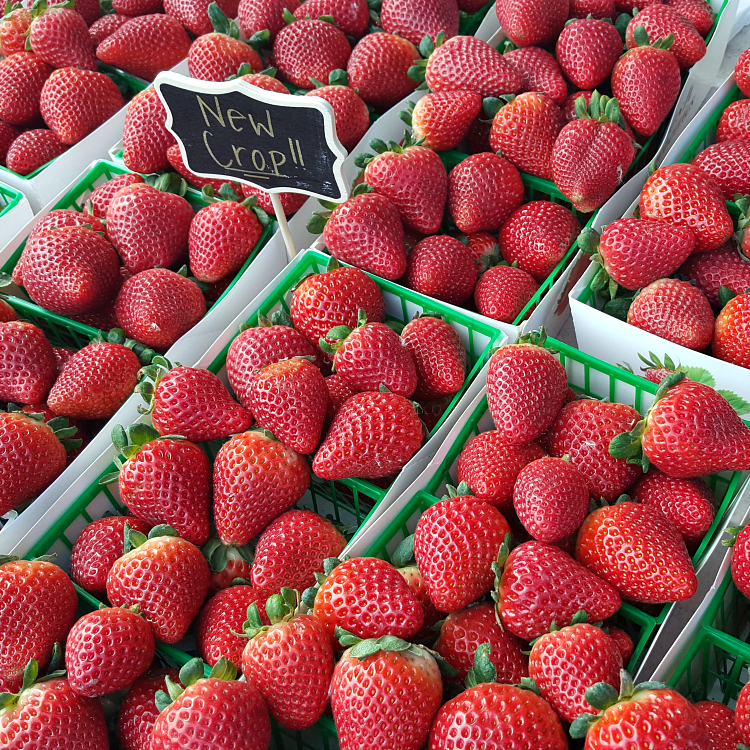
(9, 198)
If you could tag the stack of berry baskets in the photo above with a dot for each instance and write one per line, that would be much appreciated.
(643, 346)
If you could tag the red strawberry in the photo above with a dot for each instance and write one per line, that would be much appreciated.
(415, 19)
(267, 82)
(539, 71)
(567, 662)
(38, 610)
(484, 248)
(623, 641)
(22, 78)
(27, 363)
(13, 30)
(537, 23)
(146, 45)
(698, 12)
(526, 386)
(102, 196)
(525, 131)
(8, 134)
(742, 715)
(290, 202)
(137, 7)
(7, 313)
(537, 236)
(597, 8)
(732, 334)
(296, 697)
(145, 138)
(742, 73)
(674, 310)
(107, 650)
(673, 193)
(463, 632)
(351, 17)
(227, 566)
(32, 150)
(263, 15)
(372, 436)
(256, 479)
(442, 267)
(174, 157)
(339, 392)
(222, 618)
(106, 26)
(378, 69)
(719, 721)
(540, 584)
(365, 231)
(167, 577)
(646, 82)
(503, 292)
(728, 163)
(442, 120)
(199, 18)
(60, 37)
(734, 122)
(568, 107)
(587, 50)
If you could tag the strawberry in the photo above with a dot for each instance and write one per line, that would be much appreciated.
(365, 231)
(8, 134)
(351, 17)
(167, 577)
(174, 157)
(442, 120)
(290, 202)
(525, 131)
(551, 499)
(60, 37)
(646, 82)
(100, 199)
(350, 112)
(89, 10)
(339, 392)
(198, 17)
(742, 714)
(415, 581)
(633, 253)
(133, 213)
(372, 436)
(483, 191)
(334, 298)
(219, 626)
(503, 292)
(719, 721)
(106, 26)
(659, 21)
(461, 633)
(266, 81)
(378, 69)
(32, 150)
(38, 609)
(27, 363)
(539, 71)
(107, 650)
(415, 19)
(256, 479)
(469, 532)
(732, 334)
(568, 107)
(145, 138)
(370, 355)
(229, 565)
(623, 641)
(587, 50)
(728, 164)
(50, 713)
(526, 386)
(412, 177)
(384, 693)
(674, 310)
(484, 248)
(296, 698)
(290, 398)
(742, 73)
(698, 12)
(263, 15)
(596, 8)
(538, 23)
(442, 267)
(537, 236)
(13, 30)
(205, 707)
(22, 78)
(566, 662)
(138, 711)
(734, 122)
(673, 194)
(688, 503)
(219, 52)
(7, 313)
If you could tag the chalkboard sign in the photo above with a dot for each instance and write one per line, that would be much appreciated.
(232, 130)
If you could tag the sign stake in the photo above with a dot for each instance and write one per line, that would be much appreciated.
(291, 251)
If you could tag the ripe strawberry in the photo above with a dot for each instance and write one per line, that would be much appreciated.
(412, 177)
(8, 134)
(365, 231)
(646, 82)
(95, 382)
(38, 609)
(290, 202)
(13, 31)
(296, 697)
(415, 19)
(27, 363)
(146, 45)
(131, 217)
(107, 650)
(7, 313)
(587, 50)
(461, 633)
(145, 138)
(339, 392)
(378, 69)
(199, 18)
(597, 8)
(659, 21)
(539, 71)
(526, 386)
(60, 37)
(334, 298)
(174, 157)
(537, 236)
(503, 292)
(719, 721)
(728, 164)
(373, 436)
(633, 253)
(442, 120)
(568, 108)
(100, 199)
(484, 248)
(32, 150)
(734, 122)
(106, 26)
(266, 81)
(51, 713)
(207, 706)
(22, 78)
(483, 191)
(221, 620)
(674, 310)
(742, 715)
(623, 641)
(732, 335)
(351, 17)
(568, 661)
(673, 194)
(442, 267)
(742, 73)
(263, 15)
(229, 565)
(538, 23)
(167, 577)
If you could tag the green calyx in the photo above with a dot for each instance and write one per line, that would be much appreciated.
(31, 677)
(732, 532)
(407, 115)
(40, 6)
(483, 669)
(150, 377)
(217, 554)
(193, 671)
(535, 338)
(279, 608)
(133, 539)
(640, 36)
(336, 77)
(491, 105)
(59, 425)
(403, 555)
(426, 47)
(589, 243)
(117, 336)
(462, 490)
(168, 182)
(309, 594)
(578, 618)
(246, 69)
(381, 147)
(499, 565)
(336, 337)
(600, 108)
(317, 222)
(221, 23)
(228, 193)
(278, 318)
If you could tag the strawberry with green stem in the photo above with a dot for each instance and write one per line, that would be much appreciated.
(725, 266)
(229, 565)
(731, 341)
(351, 16)
(59, 36)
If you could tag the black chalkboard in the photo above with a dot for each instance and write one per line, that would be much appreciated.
(277, 142)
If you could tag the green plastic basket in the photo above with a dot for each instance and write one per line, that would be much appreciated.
(9, 198)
